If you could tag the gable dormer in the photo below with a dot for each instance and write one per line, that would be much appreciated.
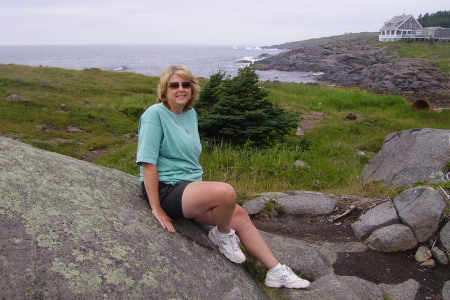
(410, 24)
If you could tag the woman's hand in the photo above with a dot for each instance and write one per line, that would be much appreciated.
(163, 219)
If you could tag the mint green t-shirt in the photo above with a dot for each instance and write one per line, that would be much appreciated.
(171, 142)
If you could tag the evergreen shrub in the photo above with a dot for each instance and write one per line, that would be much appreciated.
(237, 110)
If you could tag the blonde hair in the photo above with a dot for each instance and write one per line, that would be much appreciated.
(183, 72)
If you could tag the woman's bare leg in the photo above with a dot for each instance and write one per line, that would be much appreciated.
(215, 198)
(214, 203)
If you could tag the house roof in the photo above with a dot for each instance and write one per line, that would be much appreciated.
(395, 22)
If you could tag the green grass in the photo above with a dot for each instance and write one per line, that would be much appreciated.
(330, 149)
(105, 107)
(437, 53)
(90, 100)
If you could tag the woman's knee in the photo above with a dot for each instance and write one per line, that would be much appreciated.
(226, 193)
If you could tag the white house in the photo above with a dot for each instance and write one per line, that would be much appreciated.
(398, 27)
(407, 27)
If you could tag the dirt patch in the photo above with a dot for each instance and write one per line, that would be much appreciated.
(374, 266)
(92, 155)
(308, 120)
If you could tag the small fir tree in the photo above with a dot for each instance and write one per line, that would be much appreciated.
(237, 110)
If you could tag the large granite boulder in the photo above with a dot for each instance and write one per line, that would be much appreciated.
(410, 156)
(73, 230)
(420, 208)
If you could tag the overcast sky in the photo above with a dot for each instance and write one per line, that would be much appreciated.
(195, 22)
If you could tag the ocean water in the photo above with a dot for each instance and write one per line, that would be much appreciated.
(148, 59)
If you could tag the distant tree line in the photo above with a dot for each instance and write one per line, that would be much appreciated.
(438, 19)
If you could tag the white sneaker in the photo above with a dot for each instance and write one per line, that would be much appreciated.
(284, 277)
(228, 245)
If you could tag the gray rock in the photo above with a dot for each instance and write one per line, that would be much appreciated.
(440, 256)
(311, 203)
(429, 264)
(402, 291)
(420, 209)
(309, 261)
(74, 230)
(422, 254)
(333, 287)
(73, 129)
(294, 202)
(301, 164)
(409, 156)
(446, 290)
(392, 238)
(14, 97)
(379, 216)
(360, 154)
(256, 205)
(444, 236)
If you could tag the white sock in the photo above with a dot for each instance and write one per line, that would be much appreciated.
(276, 268)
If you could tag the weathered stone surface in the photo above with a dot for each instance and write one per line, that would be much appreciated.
(420, 209)
(74, 230)
(446, 291)
(428, 264)
(409, 156)
(254, 206)
(379, 216)
(333, 287)
(402, 291)
(422, 254)
(440, 256)
(444, 236)
(312, 203)
(294, 202)
(14, 97)
(309, 261)
(392, 238)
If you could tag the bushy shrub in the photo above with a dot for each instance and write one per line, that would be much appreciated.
(237, 110)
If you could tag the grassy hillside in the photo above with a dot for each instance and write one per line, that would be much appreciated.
(437, 53)
(105, 106)
(323, 40)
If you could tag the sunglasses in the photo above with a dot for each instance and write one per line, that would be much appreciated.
(184, 84)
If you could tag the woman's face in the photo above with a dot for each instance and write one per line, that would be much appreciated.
(178, 93)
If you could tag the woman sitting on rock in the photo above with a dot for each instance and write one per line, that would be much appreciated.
(171, 177)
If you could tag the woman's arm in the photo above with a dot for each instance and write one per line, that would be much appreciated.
(151, 187)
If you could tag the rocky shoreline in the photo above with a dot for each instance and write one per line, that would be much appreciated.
(362, 63)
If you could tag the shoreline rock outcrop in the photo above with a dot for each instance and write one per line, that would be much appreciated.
(361, 63)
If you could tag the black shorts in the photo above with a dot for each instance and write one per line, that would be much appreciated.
(170, 198)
